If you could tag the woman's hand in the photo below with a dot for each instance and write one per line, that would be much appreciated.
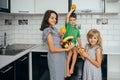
(71, 45)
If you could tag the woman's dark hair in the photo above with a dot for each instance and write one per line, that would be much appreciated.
(73, 15)
(45, 22)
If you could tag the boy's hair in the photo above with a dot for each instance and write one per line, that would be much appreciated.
(73, 15)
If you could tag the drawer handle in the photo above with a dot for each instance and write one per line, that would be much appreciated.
(24, 59)
(6, 70)
(43, 55)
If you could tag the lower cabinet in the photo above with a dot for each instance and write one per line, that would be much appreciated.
(22, 68)
(17, 70)
(104, 67)
(40, 69)
(7, 73)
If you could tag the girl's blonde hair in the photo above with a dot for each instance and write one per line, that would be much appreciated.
(95, 32)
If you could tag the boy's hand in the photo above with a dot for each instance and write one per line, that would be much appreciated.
(73, 6)
(72, 10)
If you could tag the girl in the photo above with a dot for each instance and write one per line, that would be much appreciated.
(92, 56)
(56, 54)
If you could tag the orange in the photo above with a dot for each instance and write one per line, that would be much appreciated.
(73, 6)
(62, 30)
(82, 50)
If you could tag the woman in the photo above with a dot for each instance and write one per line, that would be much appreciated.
(56, 54)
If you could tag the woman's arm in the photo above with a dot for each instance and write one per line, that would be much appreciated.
(52, 48)
(97, 62)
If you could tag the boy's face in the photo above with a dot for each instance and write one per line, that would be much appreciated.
(72, 21)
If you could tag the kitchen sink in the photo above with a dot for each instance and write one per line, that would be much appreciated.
(15, 49)
(20, 46)
(10, 51)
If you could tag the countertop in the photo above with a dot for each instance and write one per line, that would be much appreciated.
(106, 50)
(114, 50)
(5, 60)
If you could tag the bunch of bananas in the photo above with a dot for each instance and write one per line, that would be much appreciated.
(65, 42)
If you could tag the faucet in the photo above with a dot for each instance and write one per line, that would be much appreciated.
(4, 43)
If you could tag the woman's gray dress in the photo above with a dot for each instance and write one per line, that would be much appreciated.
(91, 72)
(56, 61)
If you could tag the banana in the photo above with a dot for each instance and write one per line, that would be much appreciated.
(65, 42)
(66, 46)
(67, 38)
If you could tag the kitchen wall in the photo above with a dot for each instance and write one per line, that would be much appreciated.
(24, 28)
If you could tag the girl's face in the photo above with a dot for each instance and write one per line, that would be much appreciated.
(93, 40)
(52, 19)
(72, 21)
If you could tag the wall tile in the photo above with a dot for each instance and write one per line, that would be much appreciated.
(31, 34)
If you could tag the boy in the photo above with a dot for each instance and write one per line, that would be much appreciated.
(72, 30)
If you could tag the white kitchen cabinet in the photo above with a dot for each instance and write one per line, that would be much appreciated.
(91, 6)
(22, 6)
(114, 67)
(112, 6)
(60, 6)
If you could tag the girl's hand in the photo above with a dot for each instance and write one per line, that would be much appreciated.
(82, 51)
(84, 54)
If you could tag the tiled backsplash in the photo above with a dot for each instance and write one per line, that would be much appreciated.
(25, 28)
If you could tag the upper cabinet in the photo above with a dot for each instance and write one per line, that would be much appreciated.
(91, 6)
(38, 6)
(4, 5)
(22, 6)
(112, 6)
(60, 6)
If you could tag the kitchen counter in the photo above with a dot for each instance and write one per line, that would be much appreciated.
(40, 48)
(106, 50)
(6, 59)
(111, 50)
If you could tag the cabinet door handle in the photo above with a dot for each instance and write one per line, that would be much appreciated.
(43, 55)
(23, 11)
(23, 59)
(9, 68)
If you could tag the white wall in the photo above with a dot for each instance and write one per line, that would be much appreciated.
(9, 29)
(31, 34)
